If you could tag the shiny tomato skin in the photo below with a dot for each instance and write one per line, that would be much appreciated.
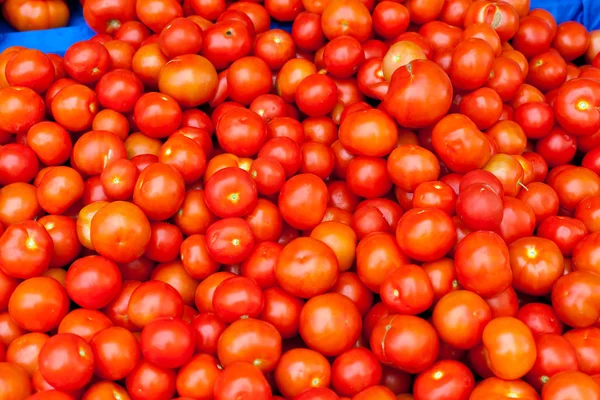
(66, 361)
(460, 318)
(425, 234)
(18, 163)
(241, 379)
(500, 352)
(115, 365)
(571, 384)
(26, 250)
(314, 260)
(231, 192)
(30, 68)
(237, 297)
(250, 340)
(447, 379)
(230, 240)
(159, 191)
(21, 109)
(355, 370)
(153, 300)
(467, 54)
(405, 342)
(316, 371)
(324, 338)
(16, 384)
(403, 286)
(413, 81)
(501, 389)
(168, 353)
(93, 281)
(150, 381)
(554, 355)
(197, 377)
(87, 61)
(117, 224)
(303, 201)
(540, 257)
(470, 268)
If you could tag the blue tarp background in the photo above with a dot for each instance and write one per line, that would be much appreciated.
(586, 12)
(58, 40)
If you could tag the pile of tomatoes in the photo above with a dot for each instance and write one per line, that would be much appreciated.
(397, 200)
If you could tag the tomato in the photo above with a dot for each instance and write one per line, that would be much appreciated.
(540, 318)
(198, 376)
(460, 317)
(157, 115)
(405, 342)
(250, 340)
(355, 370)
(114, 365)
(503, 389)
(74, 107)
(573, 185)
(554, 355)
(425, 234)
(66, 361)
(527, 257)
(26, 250)
(225, 42)
(16, 384)
(413, 81)
(21, 108)
(533, 37)
(486, 276)
(189, 79)
(147, 63)
(566, 232)
(346, 18)
(156, 14)
(446, 379)
(282, 310)
(571, 40)
(573, 298)
(27, 15)
(230, 240)
(241, 132)
(407, 290)
(311, 258)
(306, 32)
(303, 201)
(120, 231)
(30, 68)
(390, 19)
(326, 338)
(150, 381)
(119, 90)
(84, 323)
(572, 384)
(108, 17)
(300, 369)
(241, 379)
(368, 177)
(154, 299)
(168, 354)
(181, 36)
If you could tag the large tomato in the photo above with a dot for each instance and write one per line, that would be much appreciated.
(33, 15)
(420, 94)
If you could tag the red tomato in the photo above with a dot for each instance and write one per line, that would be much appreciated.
(66, 361)
(167, 354)
(405, 342)
(114, 365)
(301, 369)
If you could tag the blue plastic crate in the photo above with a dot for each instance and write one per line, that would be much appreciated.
(58, 40)
(55, 40)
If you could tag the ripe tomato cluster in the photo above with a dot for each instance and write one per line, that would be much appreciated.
(395, 200)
